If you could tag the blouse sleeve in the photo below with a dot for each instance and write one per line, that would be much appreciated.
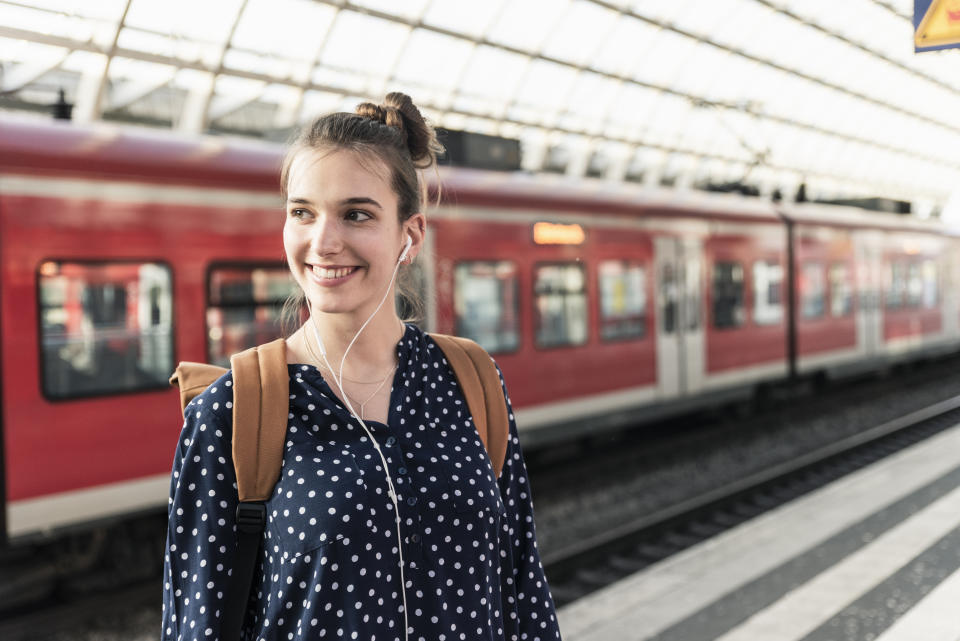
(200, 544)
(530, 612)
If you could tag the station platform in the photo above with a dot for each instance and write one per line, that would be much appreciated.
(873, 556)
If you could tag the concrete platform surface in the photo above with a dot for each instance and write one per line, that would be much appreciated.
(873, 556)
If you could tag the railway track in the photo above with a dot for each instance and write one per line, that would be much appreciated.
(60, 589)
(601, 559)
(58, 620)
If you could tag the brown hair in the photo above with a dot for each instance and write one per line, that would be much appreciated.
(394, 133)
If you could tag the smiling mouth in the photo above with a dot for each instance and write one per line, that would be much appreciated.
(324, 272)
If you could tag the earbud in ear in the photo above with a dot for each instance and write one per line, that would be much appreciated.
(406, 249)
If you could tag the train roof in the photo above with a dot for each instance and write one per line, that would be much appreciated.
(567, 193)
(35, 145)
(30, 144)
(45, 146)
(854, 217)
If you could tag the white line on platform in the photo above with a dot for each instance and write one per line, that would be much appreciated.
(804, 609)
(648, 602)
(935, 618)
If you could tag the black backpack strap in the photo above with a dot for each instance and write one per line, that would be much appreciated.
(251, 522)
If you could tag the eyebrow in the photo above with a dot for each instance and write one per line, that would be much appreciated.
(356, 200)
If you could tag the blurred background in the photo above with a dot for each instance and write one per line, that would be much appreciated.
(728, 229)
(685, 93)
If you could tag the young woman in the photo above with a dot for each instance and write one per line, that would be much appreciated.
(387, 523)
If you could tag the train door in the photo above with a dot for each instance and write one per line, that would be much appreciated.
(691, 314)
(670, 362)
(948, 267)
(680, 348)
(869, 270)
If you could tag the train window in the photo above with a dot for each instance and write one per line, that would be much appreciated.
(896, 285)
(485, 301)
(928, 275)
(105, 327)
(768, 292)
(561, 304)
(841, 290)
(243, 307)
(623, 300)
(727, 295)
(812, 290)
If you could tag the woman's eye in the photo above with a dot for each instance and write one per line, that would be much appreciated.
(298, 213)
(358, 215)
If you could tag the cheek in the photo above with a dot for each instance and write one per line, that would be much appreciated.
(292, 251)
(291, 240)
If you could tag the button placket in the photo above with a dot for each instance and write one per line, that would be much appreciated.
(409, 503)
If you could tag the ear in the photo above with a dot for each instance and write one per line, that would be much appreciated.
(416, 228)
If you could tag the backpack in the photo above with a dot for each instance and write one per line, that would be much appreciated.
(261, 398)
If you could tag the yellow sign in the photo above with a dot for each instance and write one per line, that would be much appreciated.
(554, 234)
(940, 25)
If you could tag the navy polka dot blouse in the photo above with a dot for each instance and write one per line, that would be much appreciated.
(329, 566)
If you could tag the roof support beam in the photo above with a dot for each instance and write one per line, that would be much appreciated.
(241, 73)
(225, 105)
(89, 98)
(205, 104)
(946, 124)
(195, 114)
(86, 101)
(288, 114)
(134, 90)
(24, 74)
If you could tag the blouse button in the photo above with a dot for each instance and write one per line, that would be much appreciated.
(391, 441)
(402, 470)
(415, 537)
(412, 500)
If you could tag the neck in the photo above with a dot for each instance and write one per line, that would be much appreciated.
(372, 353)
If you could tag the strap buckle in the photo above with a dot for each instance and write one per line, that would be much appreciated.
(251, 517)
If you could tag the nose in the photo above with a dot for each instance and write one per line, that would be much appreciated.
(325, 237)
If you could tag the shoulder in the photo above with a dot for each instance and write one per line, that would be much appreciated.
(207, 435)
(452, 351)
(213, 403)
(444, 342)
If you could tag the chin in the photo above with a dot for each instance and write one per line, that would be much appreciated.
(324, 305)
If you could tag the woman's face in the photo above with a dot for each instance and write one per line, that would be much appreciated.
(342, 236)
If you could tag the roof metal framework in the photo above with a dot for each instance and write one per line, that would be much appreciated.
(682, 92)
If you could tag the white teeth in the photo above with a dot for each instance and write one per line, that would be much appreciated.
(323, 272)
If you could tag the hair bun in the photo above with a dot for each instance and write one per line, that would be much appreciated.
(399, 111)
(383, 114)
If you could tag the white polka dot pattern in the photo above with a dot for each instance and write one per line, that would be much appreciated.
(329, 562)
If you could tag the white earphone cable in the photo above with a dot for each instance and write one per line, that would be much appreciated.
(339, 380)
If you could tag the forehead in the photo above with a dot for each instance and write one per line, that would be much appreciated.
(336, 174)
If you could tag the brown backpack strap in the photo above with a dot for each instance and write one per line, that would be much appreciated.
(261, 404)
(261, 401)
(477, 375)
(193, 378)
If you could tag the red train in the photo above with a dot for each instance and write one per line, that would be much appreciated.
(126, 251)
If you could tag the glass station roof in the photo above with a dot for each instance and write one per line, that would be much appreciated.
(682, 92)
